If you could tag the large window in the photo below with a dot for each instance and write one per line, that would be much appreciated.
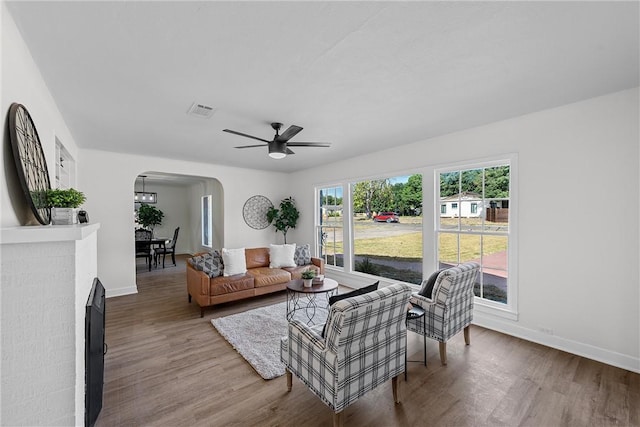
(398, 230)
(387, 227)
(479, 230)
(329, 226)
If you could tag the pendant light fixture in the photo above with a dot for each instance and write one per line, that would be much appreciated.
(143, 196)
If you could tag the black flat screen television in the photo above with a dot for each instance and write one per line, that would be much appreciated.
(94, 352)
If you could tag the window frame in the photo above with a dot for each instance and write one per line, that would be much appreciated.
(206, 224)
(429, 234)
(510, 309)
(318, 225)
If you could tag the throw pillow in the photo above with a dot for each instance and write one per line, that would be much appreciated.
(213, 265)
(427, 285)
(197, 262)
(356, 292)
(282, 255)
(302, 256)
(234, 261)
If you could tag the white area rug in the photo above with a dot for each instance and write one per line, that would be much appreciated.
(255, 334)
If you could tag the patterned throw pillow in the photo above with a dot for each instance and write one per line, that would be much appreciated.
(212, 265)
(302, 255)
(197, 261)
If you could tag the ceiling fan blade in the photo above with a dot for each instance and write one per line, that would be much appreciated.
(289, 133)
(245, 135)
(252, 146)
(309, 144)
(290, 152)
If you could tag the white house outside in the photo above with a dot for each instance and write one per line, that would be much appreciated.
(471, 205)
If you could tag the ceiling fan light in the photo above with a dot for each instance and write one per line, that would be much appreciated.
(277, 150)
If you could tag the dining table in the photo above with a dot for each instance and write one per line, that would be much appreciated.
(155, 243)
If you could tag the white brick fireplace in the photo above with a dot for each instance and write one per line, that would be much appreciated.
(46, 276)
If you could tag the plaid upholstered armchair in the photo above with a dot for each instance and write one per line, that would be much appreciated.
(364, 346)
(450, 308)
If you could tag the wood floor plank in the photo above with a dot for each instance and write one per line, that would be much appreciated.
(166, 366)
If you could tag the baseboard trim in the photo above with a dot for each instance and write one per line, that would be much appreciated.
(609, 357)
(510, 327)
(118, 292)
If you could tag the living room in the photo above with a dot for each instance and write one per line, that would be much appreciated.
(576, 268)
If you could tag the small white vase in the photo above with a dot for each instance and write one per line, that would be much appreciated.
(307, 282)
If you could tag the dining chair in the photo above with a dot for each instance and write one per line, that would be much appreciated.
(143, 245)
(169, 248)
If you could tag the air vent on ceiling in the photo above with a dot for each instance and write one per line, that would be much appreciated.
(201, 110)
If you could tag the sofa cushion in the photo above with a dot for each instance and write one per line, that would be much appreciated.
(212, 265)
(257, 257)
(302, 255)
(296, 272)
(282, 256)
(266, 276)
(234, 261)
(225, 285)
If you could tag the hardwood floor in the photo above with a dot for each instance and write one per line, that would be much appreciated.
(168, 367)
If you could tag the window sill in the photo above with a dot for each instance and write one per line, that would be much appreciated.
(484, 308)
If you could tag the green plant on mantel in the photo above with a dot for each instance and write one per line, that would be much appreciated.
(284, 218)
(149, 216)
(67, 198)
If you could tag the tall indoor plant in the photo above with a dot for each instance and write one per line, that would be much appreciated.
(149, 216)
(284, 218)
(64, 204)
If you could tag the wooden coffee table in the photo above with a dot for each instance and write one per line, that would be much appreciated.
(304, 299)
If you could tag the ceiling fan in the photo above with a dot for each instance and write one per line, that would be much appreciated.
(279, 146)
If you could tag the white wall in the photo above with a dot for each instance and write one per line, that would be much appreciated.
(578, 268)
(110, 202)
(21, 82)
(175, 202)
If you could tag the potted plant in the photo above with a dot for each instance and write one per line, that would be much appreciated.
(149, 216)
(307, 277)
(284, 218)
(64, 205)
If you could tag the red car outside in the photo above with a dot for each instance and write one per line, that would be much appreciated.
(386, 217)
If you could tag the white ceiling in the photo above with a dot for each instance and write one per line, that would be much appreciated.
(364, 76)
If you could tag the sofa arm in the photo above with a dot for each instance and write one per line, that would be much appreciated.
(318, 262)
(197, 284)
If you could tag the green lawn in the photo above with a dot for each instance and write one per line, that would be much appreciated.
(409, 245)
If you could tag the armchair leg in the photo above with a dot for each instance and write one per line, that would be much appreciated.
(443, 353)
(189, 298)
(337, 419)
(467, 340)
(395, 385)
(201, 311)
(289, 380)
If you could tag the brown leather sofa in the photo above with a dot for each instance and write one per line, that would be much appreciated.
(258, 280)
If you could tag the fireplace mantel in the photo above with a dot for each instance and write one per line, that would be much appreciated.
(46, 274)
(46, 233)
